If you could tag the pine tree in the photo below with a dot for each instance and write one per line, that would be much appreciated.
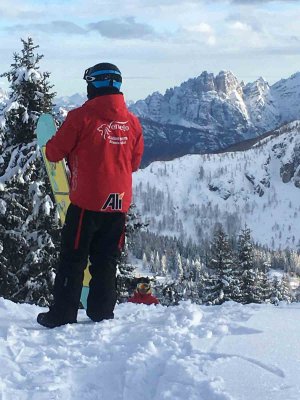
(249, 274)
(29, 231)
(251, 287)
(209, 291)
(245, 250)
(163, 264)
(276, 291)
(125, 272)
(224, 269)
(29, 97)
(286, 291)
(281, 290)
(178, 267)
(264, 287)
(157, 263)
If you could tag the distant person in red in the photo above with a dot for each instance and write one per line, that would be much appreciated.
(103, 144)
(143, 295)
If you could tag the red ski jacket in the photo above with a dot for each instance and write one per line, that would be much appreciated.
(147, 298)
(103, 144)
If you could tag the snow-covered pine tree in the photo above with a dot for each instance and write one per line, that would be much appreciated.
(157, 266)
(208, 286)
(265, 287)
(224, 269)
(276, 291)
(251, 286)
(245, 250)
(249, 274)
(178, 267)
(164, 265)
(125, 274)
(286, 292)
(281, 290)
(29, 231)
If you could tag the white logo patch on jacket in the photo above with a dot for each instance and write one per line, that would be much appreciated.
(109, 132)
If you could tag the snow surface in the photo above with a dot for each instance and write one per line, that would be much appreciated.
(188, 352)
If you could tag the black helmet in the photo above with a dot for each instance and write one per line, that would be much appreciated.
(103, 75)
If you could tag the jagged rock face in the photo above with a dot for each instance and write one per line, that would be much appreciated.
(203, 102)
(288, 152)
(225, 109)
(290, 170)
(204, 114)
(260, 100)
(227, 83)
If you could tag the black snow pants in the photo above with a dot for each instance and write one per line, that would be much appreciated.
(95, 236)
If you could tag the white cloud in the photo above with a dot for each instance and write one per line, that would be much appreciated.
(211, 40)
(206, 31)
(203, 27)
(168, 40)
(240, 26)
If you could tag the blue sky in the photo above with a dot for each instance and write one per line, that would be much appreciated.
(157, 44)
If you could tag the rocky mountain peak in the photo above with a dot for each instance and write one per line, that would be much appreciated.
(205, 82)
(227, 82)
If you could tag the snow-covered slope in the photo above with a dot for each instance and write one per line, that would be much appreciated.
(259, 187)
(192, 352)
(210, 112)
(286, 94)
(259, 100)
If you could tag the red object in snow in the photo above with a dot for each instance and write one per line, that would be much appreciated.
(140, 298)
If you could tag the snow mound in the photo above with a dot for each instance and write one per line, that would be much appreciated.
(188, 352)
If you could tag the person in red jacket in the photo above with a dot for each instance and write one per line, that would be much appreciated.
(143, 295)
(103, 144)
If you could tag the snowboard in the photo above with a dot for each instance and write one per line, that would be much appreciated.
(59, 181)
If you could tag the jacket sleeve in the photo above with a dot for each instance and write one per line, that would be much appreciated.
(138, 148)
(64, 141)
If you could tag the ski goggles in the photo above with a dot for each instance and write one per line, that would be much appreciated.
(143, 287)
(91, 76)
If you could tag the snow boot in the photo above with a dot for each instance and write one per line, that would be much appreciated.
(53, 319)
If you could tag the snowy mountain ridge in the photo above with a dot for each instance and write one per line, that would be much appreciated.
(70, 102)
(250, 108)
(208, 113)
(260, 187)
